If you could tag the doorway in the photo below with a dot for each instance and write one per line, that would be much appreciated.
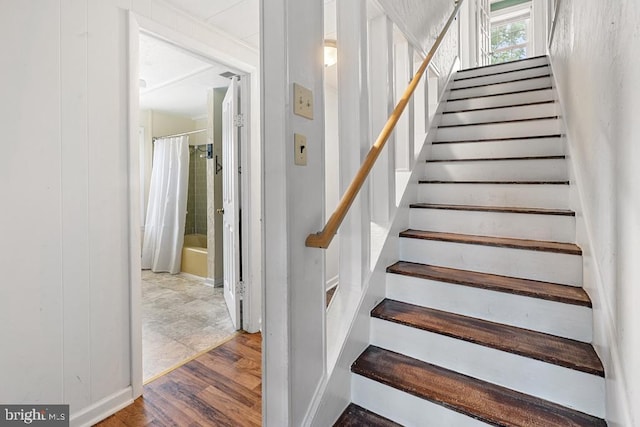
(511, 30)
(505, 30)
(183, 310)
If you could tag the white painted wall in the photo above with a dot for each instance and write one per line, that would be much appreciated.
(65, 315)
(32, 178)
(595, 62)
(163, 124)
(293, 329)
(381, 105)
(332, 176)
(540, 14)
(66, 229)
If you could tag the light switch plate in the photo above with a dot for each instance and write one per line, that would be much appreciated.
(300, 147)
(302, 101)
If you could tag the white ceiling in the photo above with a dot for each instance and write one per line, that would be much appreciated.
(240, 18)
(176, 81)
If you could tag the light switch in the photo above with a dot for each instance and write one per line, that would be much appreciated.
(300, 147)
(302, 101)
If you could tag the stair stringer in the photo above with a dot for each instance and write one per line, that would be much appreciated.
(335, 394)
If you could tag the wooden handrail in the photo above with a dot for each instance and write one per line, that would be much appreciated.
(324, 238)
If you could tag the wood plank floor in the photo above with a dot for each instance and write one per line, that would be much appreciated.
(222, 387)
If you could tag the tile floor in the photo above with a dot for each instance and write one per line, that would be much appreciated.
(181, 317)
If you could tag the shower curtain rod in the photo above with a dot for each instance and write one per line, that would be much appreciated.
(179, 134)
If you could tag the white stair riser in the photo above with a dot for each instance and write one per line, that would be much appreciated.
(500, 100)
(557, 228)
(509, 66)
(500, 130)
(535, 265)
(404, 408)
(519, 86)
(498, 114)
(498, 170)
(516, 195)
(502, 78)
(555, 318)
(578, 390)
(498, 149)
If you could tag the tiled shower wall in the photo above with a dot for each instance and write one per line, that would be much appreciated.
(196, 222)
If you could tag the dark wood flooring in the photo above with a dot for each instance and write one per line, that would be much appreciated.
(220, 388)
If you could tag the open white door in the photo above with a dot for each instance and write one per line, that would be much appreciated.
(484, 32)
(230, 203)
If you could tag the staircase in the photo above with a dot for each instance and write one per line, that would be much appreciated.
(484, 320)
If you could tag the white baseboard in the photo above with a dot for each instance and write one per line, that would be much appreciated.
(102, 409)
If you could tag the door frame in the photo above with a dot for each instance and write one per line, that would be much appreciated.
(250, 161)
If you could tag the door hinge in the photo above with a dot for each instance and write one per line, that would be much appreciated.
(241, 289)
(238, 120)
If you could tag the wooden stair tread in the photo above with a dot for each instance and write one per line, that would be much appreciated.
(499, 72)
(533, 245)
(501, 82)
(503, 63)
(491, 95)
(433, 181)
(498, 122)
(481, 400)
(497, 159)
(524, 104)
(357, 416)
(500, 209)
(513, 285)
(511, 138)
(535, 345)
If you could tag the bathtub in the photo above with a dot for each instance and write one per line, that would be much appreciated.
(194, 255)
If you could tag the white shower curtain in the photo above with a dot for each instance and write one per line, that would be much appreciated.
(166, 213)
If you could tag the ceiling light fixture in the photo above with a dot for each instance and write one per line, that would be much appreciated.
(330, 53)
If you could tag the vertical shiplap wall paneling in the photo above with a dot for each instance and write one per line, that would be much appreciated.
(75, 204)
(401, 78)
(276, 401)
(65, 227)
(381, 95)
(108, 201)
(420, 108)
(294, 327)
(30, 174)
(305, 190)
(353, 121)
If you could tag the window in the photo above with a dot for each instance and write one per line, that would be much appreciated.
(509, 41)
(510, 32)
